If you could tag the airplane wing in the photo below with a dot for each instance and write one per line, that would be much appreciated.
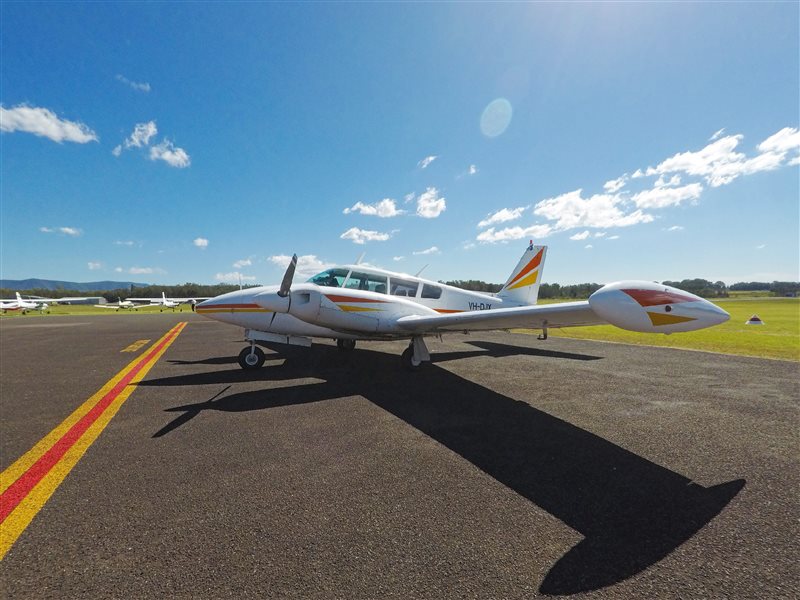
(568, 314)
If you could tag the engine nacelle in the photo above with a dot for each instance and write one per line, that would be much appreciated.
(650, 307)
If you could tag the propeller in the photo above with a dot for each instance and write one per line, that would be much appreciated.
(286, 284)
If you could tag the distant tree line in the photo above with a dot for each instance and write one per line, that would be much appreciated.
(187, 290)
(699, 287)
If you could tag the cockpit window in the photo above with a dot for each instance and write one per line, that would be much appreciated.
(404, 287)
(366, 281)
(330, 278)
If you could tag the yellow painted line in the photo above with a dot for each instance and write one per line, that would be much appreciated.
(27, 466)
(347, 308)
(135, 346)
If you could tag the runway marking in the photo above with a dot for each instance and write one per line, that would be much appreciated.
(26, 485)
(135, 346)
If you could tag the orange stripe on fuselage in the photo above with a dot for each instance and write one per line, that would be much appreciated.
(337, 298)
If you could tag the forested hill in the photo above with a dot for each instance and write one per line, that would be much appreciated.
(50, 284)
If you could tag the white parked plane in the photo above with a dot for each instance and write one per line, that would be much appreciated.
(356, 302)
(165, 302)
(120, 303)
(24, 305)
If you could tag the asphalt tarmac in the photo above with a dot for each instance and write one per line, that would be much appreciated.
(509, 468)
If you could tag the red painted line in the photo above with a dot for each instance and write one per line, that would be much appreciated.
(17, 491)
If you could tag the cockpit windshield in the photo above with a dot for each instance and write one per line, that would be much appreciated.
(330, 278)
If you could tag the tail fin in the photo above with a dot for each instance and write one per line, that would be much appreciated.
(19, 298)
(523, 285)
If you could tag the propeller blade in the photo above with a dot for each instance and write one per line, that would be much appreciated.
(286, 284)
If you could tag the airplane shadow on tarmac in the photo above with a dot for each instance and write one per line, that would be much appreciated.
(631, 512)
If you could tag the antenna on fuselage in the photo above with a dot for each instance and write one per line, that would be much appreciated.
(421, 270)
(360, 258)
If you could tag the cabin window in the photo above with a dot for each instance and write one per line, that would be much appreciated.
(366, 282)
(330, 278)
(404, 287)
(431, 291)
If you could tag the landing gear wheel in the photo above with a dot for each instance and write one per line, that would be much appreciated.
(408, 361)
(346, 345)
(252, 358)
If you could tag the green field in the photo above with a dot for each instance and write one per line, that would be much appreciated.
(778, 338)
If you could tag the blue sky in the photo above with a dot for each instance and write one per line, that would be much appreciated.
(175, 142)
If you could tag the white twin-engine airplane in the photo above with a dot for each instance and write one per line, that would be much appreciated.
(356, 302)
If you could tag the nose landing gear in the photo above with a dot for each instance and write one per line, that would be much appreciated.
(252, 357)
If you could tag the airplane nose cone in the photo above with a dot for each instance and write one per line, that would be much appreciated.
(719, 315)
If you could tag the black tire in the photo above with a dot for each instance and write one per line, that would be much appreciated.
(346, 345)
(251, 360)
(407, 358)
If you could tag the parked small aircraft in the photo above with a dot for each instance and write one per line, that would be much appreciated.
(165, 302)
(23, 305)
(356, 302)
(120, 303)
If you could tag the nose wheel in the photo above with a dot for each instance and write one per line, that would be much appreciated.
(252, 357)
(346, 345)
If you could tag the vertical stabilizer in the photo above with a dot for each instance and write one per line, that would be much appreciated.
(523, 285)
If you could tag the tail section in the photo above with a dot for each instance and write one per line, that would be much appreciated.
(523, 285)
(19, 298)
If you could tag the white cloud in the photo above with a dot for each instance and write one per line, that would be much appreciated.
(429, 204)
(599, 234)
(661, 197)
(385, 208)
(423, 164)
(142, 132)
(118, 269)
(431, 250)
(139, 87)
(146, 271)
(472, 170)
(503, 215)
(786, 140)
(514, 233)
(174, 157)
(794, 162)
(716, 135)
(409, 197)
(761, 246)
(613, 237)
(71, 231)
(123, 243)
(44, 123)
(580, 236)
(398, 258)
(719, 163)
(245, 262)
(674, 228)
(615, 185)
(588, 246)
(94, 266)
(571, 210)
(233, 277)
(361, 236)
(307, 265)
(200, 242)
(671, 182)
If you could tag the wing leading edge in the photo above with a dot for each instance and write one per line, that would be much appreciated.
(568, 314)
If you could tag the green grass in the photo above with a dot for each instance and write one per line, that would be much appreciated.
(778, 338)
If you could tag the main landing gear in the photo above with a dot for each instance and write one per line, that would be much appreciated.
(346, 345)
(416, 354)
(252, 357)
